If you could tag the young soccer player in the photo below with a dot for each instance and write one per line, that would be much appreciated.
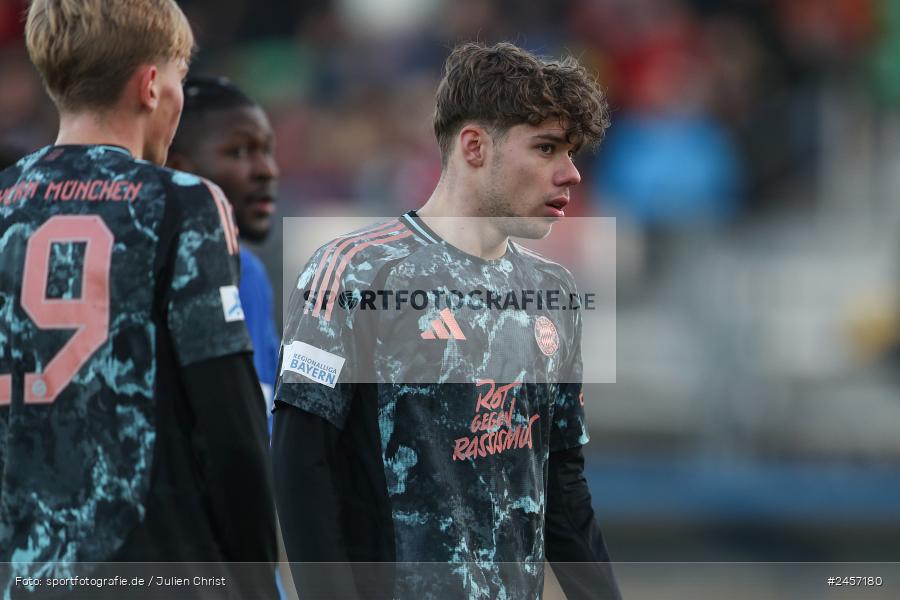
(420, 425)
(226, 137)
(135, 426)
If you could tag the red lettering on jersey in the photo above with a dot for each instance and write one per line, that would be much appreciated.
(82, 189)
(68, 190)
(117, 190)
(492, 399)
(133, 190)
(107, 192)
(53, 188)
(496, 424)
(94, 192)
(97, 190)
(24, 190)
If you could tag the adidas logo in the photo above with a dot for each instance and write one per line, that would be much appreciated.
(444, 327)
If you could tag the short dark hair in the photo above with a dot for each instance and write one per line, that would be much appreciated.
(503, 85)
(204, 94)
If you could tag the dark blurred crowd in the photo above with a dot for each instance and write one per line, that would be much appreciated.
(715, 101)
(724, 120)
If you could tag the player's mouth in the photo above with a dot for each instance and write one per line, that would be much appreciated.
(556, 207)
(262, 205)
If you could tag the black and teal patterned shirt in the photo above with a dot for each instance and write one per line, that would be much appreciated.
(472, 387)
(115, 274)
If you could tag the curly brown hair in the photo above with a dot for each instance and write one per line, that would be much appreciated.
(503, 85)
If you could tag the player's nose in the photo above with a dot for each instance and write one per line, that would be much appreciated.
(568, 174)
(265, 167)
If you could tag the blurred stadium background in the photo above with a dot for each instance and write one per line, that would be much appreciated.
(754, 169)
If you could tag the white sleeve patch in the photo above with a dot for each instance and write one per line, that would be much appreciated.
(313, 363)
(231, 303)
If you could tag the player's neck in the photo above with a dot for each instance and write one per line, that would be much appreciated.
(451, 216)
(89, 129)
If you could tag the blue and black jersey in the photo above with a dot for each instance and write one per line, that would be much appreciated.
(438, 385)
(131, 425)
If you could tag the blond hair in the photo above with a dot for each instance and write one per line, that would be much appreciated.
(86, 50)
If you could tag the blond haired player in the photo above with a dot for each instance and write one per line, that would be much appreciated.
(132, 425)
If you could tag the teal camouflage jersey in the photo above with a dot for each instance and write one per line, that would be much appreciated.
(476, 371)
(105, 263)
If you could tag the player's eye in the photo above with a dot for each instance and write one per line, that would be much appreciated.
(546, 148)
(237, 152)
(572, 154)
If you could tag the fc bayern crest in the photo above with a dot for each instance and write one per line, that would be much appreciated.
(546, 336)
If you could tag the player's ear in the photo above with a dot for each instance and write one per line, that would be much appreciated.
(473, 142)
(148, 86)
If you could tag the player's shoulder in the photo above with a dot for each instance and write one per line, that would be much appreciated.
(360, 254)
(186, 187)
(200, 206)
(11, 174)
(252, 268)
(543, 265)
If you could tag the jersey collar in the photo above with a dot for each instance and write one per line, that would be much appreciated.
(420, 229)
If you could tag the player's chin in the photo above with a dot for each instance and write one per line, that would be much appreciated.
(256, 230)
(532, 228)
